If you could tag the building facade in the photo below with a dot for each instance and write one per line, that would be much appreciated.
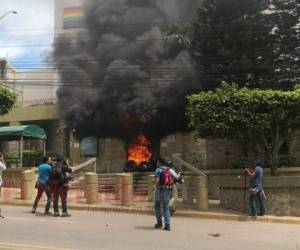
(111, 153)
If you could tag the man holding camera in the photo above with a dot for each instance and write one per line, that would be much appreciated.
(164, 178)
(2, 168)
(256, 189)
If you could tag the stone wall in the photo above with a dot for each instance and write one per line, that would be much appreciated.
(214, 175)
(282, 195)
(112, 155)
(294, 146)
(57, 138)
(221, 152)
(202, 153)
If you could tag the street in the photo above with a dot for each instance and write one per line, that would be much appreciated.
(103, 230)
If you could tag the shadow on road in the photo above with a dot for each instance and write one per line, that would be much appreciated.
(42, 214)
(149, 228)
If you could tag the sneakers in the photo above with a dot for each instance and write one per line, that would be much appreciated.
(56, 214)
(47, 213)
(65, 215)
(33, 211)
(158, 225)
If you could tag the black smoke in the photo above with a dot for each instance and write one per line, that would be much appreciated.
(131, 80)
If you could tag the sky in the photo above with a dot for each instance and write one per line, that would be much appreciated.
(33, 25)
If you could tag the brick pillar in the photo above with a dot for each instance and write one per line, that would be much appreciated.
(200, 183)
(126, 189)
(27, 184)
(91, 187)
(188, 196)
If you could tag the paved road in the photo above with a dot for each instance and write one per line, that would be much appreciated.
(89, 230)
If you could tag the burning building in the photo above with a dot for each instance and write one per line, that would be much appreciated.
(123, 82)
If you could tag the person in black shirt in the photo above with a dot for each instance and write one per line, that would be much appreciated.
(62, 176)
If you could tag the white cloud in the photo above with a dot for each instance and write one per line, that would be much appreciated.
(32, 25)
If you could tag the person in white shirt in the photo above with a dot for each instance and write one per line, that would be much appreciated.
(2, 167)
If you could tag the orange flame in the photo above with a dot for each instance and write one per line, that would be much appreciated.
(139, 151)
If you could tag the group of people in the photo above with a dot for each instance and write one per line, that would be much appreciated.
(165, 193)
(53, 181)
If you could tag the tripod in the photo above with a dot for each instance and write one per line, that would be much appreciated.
(1, 216)
(245, 188)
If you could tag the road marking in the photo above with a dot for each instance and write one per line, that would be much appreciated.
(29, 247)
(37, 220)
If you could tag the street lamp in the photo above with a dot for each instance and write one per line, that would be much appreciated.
(8, 12)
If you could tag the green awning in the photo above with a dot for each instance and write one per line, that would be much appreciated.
(14, 133)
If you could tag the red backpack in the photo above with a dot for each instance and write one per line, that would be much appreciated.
(166, 179)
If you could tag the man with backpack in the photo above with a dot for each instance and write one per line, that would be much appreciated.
(164, 178)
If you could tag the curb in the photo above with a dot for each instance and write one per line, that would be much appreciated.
(179, 213)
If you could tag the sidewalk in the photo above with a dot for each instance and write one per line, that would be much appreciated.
(76, 201)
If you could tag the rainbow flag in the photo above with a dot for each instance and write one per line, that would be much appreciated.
(73, 17)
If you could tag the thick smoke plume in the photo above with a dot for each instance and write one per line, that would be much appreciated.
(131, 79)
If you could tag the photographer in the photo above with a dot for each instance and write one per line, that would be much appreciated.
(2, 167)
(164, 178)
(256, 189)
(62, 176)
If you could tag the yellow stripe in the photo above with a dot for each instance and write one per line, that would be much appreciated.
(25, 247)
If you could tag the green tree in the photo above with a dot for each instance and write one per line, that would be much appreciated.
(179, 37)
(266, 117)
(254, 43)
(7, 99)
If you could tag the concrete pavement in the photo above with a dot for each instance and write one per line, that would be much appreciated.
(105, 230)
(76, 201)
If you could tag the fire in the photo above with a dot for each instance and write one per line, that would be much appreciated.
(139, 151)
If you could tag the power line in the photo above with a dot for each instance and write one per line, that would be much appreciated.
(168, 79)
(99, 30)
(174, 61)
(161, 70)
(76, 41)
(106, 26)
(82, 42)
(54, 82)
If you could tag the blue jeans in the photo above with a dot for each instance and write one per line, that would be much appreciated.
(162, 197)
(259, 195)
